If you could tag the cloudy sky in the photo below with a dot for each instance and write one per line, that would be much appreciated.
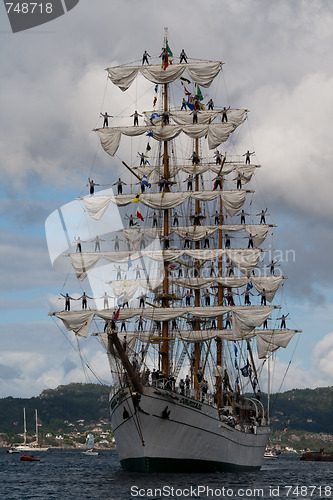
(278, 63)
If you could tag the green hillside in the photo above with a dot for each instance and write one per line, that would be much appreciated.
(307, 410)
(304, 409)
(88, 402)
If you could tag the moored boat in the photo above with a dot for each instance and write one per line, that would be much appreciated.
(317, 456)
(29, 458)
(33, 446)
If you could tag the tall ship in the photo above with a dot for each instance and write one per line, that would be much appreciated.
(181, 292)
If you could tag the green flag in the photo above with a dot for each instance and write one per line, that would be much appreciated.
(199, 93)
(169, 50)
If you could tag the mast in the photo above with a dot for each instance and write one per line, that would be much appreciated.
(197, 345)
(268, 387)
(164, 351)
(36, 426)
(220, 296)
(24, 427)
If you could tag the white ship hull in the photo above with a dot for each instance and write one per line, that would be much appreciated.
(191, 439)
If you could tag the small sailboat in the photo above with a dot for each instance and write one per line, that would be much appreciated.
(29, 446)
(90, 446)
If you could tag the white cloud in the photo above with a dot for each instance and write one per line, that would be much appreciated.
(323, 356)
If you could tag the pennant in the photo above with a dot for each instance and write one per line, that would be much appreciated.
(190, 104)
(156, 87)
(120, 301)
(169, 50)
(153, 116)
(186, 91)
(249, 286)
(245, 370)
(136, 226)
(139, 216)
(117, 314)
(137, 198)
(144, 182)
(150, 133)
(154, 101)
(185, 79)
(173, 266)
(199, 93)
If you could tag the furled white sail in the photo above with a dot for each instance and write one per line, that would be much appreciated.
(270, 340)
(245, 170)
(77, 321)
(233, 200)
(269, 284)
(216, 133)
(131, 286)
(202, 73)
(245, 259)
(205, 117)
(245, 318)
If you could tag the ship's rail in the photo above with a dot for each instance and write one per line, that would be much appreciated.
(239, 412)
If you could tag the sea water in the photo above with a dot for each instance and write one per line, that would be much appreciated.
(68, 474)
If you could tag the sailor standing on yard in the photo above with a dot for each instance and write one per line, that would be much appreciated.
(212, 269)
(239, 180)
(210, 104)
(283, 320)
(195, 115)
(195, 158)
(136, 117)
(92, 186)
(106, 119)
(218, 156)
(182, 57)
(272, 266)
(207, 297)
(224, 114)
(142, 159)
(145, 57)
(106, 298)
(263, 297)
(68, 299)
(119, 183)
(262, 216)
(189, 181)
(175, 219)
(84, 298)
(206, 240)
(183, 104)
(142, 300)
(242, 216)
(248, 156)
(116, 243)
(78, 244)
